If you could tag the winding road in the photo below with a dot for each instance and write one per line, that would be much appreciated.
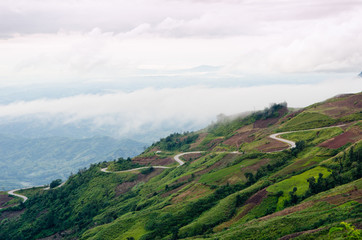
(291, 144)
(275, 136)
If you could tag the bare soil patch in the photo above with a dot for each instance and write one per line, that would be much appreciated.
(351, 136)
(198, 140)
(293, 235)
(252, 202)
(264, 123)
(351, 104)
(10, 214)
(355, 195)
(4, 199)
(219, 164)
(273, 145)
(154, 160)
(194, 192)
(126, 186)
(213, 143)
(191, 157)
(166, 194)
(240, 138)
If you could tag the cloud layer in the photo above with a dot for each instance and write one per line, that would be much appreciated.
(148, 109)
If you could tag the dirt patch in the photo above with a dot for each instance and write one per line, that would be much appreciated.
(126, 186)
(4, 199)
(258, 197)
(293, 235)
(59, 235)
(272, 145)
(192, 193)
(351, 136)
(264, 123)
(219, 164)
(198, 140)
(252, 202)
(240, 138)
(287, 211)
(154, 160)
(191, 157)
(355, 195)
(213, 143)
(11, 214)
(349, 105)
(166, 194)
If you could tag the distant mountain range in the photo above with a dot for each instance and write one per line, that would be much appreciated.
(36, 161)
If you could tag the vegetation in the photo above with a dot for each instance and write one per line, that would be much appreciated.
(308, 192)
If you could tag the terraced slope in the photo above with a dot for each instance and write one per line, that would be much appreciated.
(265, 191)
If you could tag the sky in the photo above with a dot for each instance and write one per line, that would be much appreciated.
(136, 64)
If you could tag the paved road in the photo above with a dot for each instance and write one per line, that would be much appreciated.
(12, 192)
(291, 144)
(177, 157)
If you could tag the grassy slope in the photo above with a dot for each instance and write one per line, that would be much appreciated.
(208, 197)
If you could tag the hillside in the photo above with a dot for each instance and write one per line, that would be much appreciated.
(231, 181)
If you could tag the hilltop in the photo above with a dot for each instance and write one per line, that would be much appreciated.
(233, 181)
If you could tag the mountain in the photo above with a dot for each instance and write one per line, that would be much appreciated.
(235, 179)
(37, 161)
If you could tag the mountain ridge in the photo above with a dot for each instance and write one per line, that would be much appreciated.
(267, 191)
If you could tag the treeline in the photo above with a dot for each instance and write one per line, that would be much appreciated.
(349, 168)
(123, 164)
(226, 126)
(176, 141)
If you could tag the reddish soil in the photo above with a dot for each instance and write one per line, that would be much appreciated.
(154, 160)
(257, 197)
(293, 235)
(191, 157)
(252, 202)
(198, 140)
(223, 162)
(193, 192)
(293, 114)
(166, 194)
(351, 104)
(273, 145)
(270, 121)
(10, 214)
(126, 186)
(351, 136)
(212, 144)
(240, 138)
(4, 199)
(355, 195)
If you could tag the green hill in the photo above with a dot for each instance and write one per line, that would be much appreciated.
(236, 183)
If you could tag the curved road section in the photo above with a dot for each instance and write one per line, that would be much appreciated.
(291, 144)
(12, 192)
(177, 157)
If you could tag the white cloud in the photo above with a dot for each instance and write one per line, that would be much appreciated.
(193, 107)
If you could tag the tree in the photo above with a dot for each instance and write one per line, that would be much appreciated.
(55, 183)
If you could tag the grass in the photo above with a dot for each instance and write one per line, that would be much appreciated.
(307, 120)
(30, 192)
(221, 176)
(314, 137)
(299, 181)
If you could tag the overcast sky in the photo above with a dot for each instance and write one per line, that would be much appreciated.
(177, 54)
